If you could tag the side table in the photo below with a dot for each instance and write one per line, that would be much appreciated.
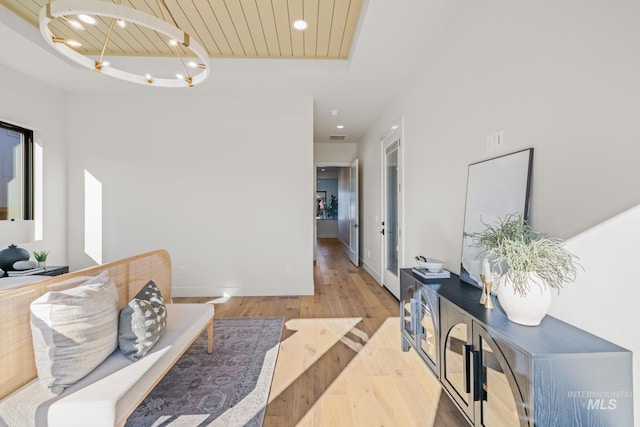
(55, 270)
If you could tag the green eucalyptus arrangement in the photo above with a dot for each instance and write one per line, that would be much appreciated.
(513, 244)
(40, 256)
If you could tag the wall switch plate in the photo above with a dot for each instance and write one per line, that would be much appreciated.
(499, 139)
(495, 141)
(490, 144)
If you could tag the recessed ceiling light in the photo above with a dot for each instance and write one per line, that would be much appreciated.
(300, 25)
(394, 127)
(340, 126)
(121, 23)
(88, 19)
(173, 42)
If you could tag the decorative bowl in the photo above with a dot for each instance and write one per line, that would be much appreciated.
(431, 264)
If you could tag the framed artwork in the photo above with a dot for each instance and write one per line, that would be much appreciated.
(321, 203)
(495, 188)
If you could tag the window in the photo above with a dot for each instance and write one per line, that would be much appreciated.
(16, 172)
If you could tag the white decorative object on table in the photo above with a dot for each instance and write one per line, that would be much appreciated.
(431, 264)
(24, 265)
(527, 309)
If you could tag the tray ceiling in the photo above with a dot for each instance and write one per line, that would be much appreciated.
(225, 28)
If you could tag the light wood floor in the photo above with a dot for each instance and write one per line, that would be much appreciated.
(340, 361)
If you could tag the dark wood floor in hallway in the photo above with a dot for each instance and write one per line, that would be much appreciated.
(340, 361)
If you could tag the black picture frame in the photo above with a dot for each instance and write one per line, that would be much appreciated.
(496, 187)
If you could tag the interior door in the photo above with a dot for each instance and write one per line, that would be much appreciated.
(390, 226)
(354, 227)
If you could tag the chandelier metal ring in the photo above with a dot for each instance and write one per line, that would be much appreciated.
(63, 8)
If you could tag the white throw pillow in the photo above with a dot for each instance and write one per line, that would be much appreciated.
(73, 331)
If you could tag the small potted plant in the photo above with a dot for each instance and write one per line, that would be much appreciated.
(41, 257)
(529, 264)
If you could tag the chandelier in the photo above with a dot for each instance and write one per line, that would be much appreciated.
(71, 17)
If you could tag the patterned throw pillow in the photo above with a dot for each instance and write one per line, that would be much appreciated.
(73, 331)
(142, 322)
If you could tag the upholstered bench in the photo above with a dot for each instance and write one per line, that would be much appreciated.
(112, 391)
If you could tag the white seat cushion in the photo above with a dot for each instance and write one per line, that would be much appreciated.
(112, 391)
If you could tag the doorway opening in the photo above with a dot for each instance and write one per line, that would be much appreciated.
(329, 184)
(336, 206)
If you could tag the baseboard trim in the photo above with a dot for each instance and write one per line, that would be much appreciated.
(371, 271)
(244, 291)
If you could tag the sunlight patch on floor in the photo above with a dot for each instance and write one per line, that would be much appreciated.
(381, 386)
(312, 339)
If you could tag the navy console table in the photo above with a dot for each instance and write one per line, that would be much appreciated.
(500, 373)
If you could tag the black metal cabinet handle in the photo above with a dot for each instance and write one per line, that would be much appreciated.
(472, 361)
(468, 349)
(477, 376)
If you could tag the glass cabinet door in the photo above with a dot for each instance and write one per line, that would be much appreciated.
(408, 312)
(500, 403)
(455, 365)
(428, 328)
(457, 356)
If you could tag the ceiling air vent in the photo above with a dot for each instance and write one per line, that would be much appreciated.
(337, 137)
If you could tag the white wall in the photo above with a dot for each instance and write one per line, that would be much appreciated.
(557, 76)
(30, 104)
(328, 153)
(327, 228)
(222, 183)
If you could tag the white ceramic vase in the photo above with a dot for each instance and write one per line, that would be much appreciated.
(529, 309)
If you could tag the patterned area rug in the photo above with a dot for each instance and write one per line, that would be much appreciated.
(227, 388)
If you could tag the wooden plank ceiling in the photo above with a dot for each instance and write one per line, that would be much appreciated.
(225, 28)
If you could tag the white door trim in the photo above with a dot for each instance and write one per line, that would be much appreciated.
(394, 131)
(354, 214)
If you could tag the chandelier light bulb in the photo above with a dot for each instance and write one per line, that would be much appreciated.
(172, 42)
(87, 19)
(75, 24)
